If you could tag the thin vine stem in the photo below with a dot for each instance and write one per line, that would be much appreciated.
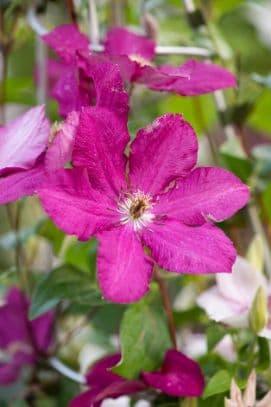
(167, 304)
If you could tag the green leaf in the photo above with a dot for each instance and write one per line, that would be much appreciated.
(52, 233)
(219, 383)
(144, 338)
(264, 354)
(214, 335)
(266, 199)
(64, 283)
(240, 166)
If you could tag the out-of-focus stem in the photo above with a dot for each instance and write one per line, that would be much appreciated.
(167, 304)
(66, 371)
(211, 141)
(94, 32)
(41, 59)
(71, 11)
(117, 7)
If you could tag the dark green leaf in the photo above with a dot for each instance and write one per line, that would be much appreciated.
(144, 338)
(64, 283)
(214, 335)
(264, 354)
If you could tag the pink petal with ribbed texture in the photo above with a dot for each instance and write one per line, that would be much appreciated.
(121, 41)
(128, 68)
(74, 206)
(196, 78)
(162, 152)
(192, 250)
(72, 91)
(207, 194)
(110, 92)
(180, 376)
(21, 183)
(124, 271)
(60, 150)
(99, 146)
(23, 140)
(65, 40)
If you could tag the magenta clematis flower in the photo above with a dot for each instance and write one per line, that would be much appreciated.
(179, 376)
(163, 203)
(189, 79)
(29, 150)
(72, 89)
(21, 341)
(133, 53)
(27, 154)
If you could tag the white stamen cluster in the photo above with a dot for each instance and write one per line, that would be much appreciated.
(136, 209)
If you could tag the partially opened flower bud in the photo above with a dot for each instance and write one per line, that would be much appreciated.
(259, 313)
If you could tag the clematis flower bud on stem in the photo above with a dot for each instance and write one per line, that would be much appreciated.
(166, 303)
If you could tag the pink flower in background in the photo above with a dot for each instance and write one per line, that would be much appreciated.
(230, 300)
(133, 53)
(23, 143)
(26, 156)
(84, 82)
(191, 78)
(163, 203)
(179, 376)
(21, 341)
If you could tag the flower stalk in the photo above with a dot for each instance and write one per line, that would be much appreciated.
(166, 304)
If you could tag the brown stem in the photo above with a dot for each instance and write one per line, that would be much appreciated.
(167, 305)
(71, 11)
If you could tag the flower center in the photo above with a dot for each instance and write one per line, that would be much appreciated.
(136, 210)
(140, 60)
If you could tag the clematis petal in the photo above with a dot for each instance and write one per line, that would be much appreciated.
(69, 92)
(60, 150)
(180, 376)
(42, 331)
(21, 183)
(13, 327)
(192, 250)
(241, 286)
(161, 152)
(196, 78)
(120, 388)
(74, 206)
(23, 140)
(221, 309)
(86, 399)
(100, 374)
(65, 40)
(10, 371)
(121, 41)
(207, 194)
(99, 146)
(108, 83)
(124, 271)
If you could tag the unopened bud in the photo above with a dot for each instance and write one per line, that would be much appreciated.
(258, 315)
